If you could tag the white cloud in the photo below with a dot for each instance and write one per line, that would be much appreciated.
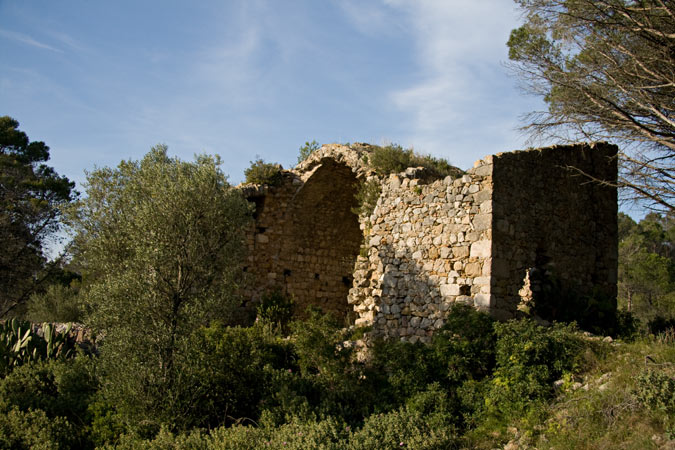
(25, 39)
(371, 18)
(461, 99)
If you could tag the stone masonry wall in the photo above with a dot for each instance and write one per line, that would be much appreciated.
(551, 218)
(305, 238)
(428, 247)
(428, 244)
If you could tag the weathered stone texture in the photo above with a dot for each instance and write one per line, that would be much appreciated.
(429, 244)
(305, 238)
(428, 247)
(551, 217)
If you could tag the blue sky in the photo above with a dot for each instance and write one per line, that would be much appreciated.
(104, 81)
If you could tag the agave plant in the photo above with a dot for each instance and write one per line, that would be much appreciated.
(57, 343)
(19, 344)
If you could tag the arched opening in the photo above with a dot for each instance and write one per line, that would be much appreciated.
(322, 240)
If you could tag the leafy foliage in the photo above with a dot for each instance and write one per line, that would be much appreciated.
(261, 172)
(307, 149)
(236, 371)
(33, 429)
(647, 267)
(333, 382)
(529, 359)
(253, 388)
(656, 389)
(20, 344)
(49, 400)
(366, 197)
(394, 159)
(605, 69)
(58, 303)
(32, 195)
(159, 241)
(276, 308)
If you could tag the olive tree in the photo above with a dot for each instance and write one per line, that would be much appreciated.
(159, 242)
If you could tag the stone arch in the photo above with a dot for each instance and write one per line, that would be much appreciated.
(322, 238)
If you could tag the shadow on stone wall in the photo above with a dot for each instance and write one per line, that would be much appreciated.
(405, 301)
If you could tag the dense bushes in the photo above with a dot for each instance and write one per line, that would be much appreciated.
(393, 159)
(529, 359)
(45, 403)
(257, 388)
(58, 303)
(237, 371)
(260, 172)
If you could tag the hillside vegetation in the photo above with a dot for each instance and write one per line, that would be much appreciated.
(479, 384)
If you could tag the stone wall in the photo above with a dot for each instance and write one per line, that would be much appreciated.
(305, 238)
(551, 218)
(428, 247)
(431, 243)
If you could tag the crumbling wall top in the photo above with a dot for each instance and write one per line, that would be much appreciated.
(354, 156)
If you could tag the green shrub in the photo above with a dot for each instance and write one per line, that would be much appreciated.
(235, 373)
(58, 303)
(440, 167)
(529, 359)
(59, 390)
(463, 349)
(307, 149)
(404, 369)
(33, 429)
(107, 425)
(394, 159)
(261, 172)
(332, 381)
(328, 434)
(390, 159)
(366, 197)
(656, 389)
(405, 428)
(465, 345)
(275, 308)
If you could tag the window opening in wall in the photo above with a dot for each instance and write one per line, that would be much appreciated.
(259, 203)
(316, 276)
(465, 290)
(287, 272)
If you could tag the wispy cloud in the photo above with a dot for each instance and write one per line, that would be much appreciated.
(67, 40)
(25, 39)
(460, 52)
(460, 83)
(371, 18)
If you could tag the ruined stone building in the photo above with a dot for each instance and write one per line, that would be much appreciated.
(430, 243)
